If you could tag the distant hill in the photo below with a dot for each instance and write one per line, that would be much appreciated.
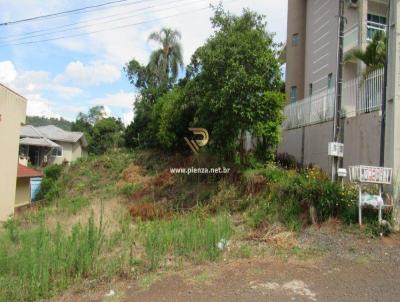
(44, 121)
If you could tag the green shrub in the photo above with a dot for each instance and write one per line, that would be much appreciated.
(53, 172)
(290, 194)
(130, 188)
(286, 161)
(50, 188)
(274, 210)
(189, 237)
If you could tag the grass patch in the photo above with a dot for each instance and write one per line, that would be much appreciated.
(38, 263)
(189, 237)
(204, 278)
(149, 279)
(73, 205)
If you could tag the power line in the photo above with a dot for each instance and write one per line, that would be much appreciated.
(105, 30)
(77, 10)
(70, 27)
(71, 24)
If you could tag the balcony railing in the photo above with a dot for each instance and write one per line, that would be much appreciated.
(350, 39)
(359, 96)
(372, 28)
(351, 36)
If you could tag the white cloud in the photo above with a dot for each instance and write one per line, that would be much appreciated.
(190, 18)
(94, 74)
(38, 106)
(110, 50)
(127, 117)
(8, 73)
(32, 85)
(121, 99)
(107, 112)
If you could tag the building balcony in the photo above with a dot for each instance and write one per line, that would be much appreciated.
(372, 28)
(351, 39)
(360, 95)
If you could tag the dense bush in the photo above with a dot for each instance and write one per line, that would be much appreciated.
(49, 188)
(287, 161)
(107, 135)
(290, 194)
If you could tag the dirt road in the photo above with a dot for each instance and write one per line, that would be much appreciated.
(352, 269)
(271, 281)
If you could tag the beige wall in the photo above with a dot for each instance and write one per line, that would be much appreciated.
(71, 152)
(13, 113)
(23, 192)
(295, 54)
(361, 142)
(321, 45)
(76, 151)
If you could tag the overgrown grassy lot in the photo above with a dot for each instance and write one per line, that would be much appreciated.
(124, 215)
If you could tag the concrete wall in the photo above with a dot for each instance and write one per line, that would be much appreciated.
(392, 134)
(361, 142)
(292, 143)
(316, 141)
(23, 192)
(13, 113)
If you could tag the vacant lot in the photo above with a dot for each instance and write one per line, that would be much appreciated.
(121, 227)
(348, 268)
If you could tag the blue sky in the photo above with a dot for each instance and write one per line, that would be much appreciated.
(62, 77)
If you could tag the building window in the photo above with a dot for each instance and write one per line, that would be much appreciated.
(295, 39)
(58, 152)
(330, 81)
(310, 89)
(293, 94)
(375, 23)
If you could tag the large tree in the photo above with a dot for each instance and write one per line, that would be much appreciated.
(167, 60)
(152, 81)
(237, 76)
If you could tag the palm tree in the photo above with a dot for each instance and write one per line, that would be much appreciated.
(167, 60)
(374, 56)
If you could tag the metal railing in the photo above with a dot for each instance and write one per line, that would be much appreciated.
(373, 27)
(360, 95)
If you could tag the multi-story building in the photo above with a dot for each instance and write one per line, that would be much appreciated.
(311, 69)
(312, 43)
(12, 115)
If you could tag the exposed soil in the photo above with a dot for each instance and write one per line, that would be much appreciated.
(348, 267)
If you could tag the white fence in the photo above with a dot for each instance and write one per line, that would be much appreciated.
(359, 95)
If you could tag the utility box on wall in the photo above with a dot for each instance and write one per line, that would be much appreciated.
(335, 149)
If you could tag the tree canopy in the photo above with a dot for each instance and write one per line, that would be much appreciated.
(231, 88)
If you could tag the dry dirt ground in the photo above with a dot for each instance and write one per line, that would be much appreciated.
(348, 267)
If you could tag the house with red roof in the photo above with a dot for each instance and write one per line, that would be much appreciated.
(26, 188)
